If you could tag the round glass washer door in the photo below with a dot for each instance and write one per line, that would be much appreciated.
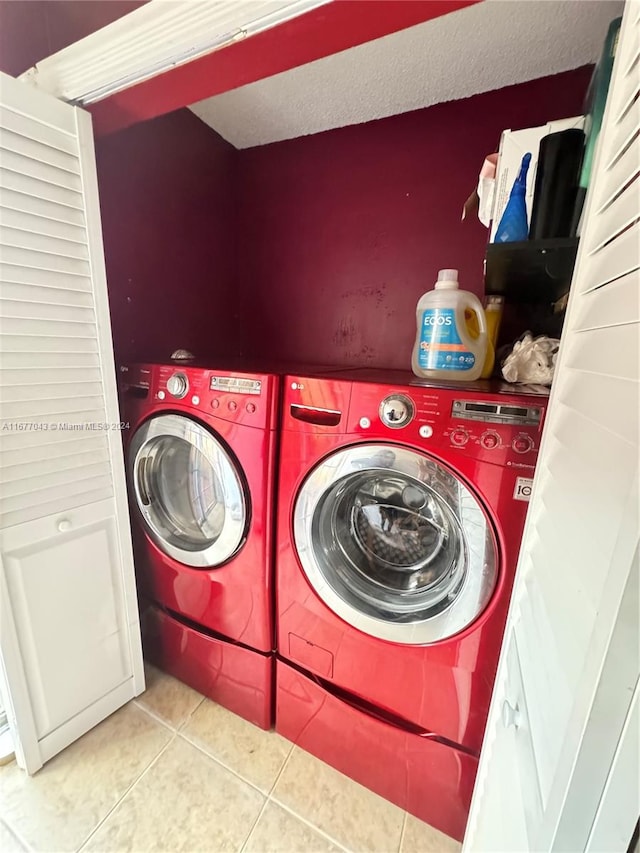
(188, 490)
(395, 544)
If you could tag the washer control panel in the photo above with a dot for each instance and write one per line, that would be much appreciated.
(396, 411)
(502, 427)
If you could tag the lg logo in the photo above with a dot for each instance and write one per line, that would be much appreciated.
(297, 386)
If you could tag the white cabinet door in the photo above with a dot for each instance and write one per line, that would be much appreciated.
(570, 661)
(70, 649)
(64, 605)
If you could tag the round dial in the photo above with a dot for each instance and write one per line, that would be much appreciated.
(522, 443)
(490, 440)
(396, 411)
(177, 385)
(459, 437)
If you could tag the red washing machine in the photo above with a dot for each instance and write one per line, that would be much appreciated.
(401, 510)
(201, 464)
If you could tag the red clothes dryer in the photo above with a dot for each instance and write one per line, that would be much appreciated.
(401, 510)
(201, 464)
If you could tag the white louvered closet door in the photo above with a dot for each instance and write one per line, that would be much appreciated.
(559, 768)
(70, 649)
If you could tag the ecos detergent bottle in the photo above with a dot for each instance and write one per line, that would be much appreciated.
(444, 349)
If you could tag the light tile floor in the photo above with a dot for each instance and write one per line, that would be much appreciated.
(172, 771)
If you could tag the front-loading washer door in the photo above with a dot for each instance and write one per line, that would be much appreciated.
(189, 491)
(395, 544)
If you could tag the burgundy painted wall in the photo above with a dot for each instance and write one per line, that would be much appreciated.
(24, 38)
(341, 232)
(33, 29)
(168, 198)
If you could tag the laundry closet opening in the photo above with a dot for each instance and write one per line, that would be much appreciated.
(331, 555)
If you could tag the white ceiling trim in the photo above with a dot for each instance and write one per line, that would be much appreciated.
(477, 49)
(152, 39)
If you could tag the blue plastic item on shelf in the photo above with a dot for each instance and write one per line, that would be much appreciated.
(513, 226)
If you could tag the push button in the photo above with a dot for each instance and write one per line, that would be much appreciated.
(232, 405)
(215, 403)
(251, 407)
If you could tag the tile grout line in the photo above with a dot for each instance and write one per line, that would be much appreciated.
(254, 824)
(15, 833)
(127, 792)
(282, 769)
(402, 831)
(313, 826)
(188, 718)
(155, 717)
(219, 761)
(267, 799)
(272, 799)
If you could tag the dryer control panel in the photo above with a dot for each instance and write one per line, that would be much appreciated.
(249, 399)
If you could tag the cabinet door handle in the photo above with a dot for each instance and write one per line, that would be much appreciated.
(63, 525)
(511, 715)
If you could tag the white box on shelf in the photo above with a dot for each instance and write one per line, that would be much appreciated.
(514, 144)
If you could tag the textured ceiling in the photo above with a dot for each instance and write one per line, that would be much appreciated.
(477, 49)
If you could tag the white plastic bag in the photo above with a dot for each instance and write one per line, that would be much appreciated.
(532, 360)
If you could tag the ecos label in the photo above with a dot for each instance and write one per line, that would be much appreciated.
(522, 491)
(440, 345)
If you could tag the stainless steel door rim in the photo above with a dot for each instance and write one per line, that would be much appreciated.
(395, 544)
(188, 491)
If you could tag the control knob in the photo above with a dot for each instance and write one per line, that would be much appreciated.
(522, 443)
(177, 385)
(396, 411)
(489, 440)
(459, 437)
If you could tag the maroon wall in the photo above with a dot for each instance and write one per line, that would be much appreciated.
(24, 38)
(33, 29)
(341, 232)
(167, 196)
